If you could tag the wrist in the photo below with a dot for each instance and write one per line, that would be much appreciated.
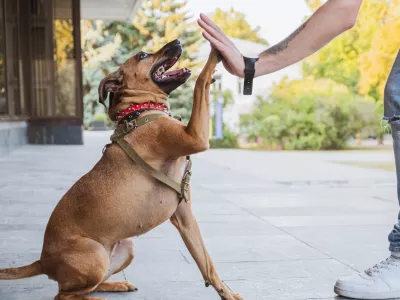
(261, 67)
(266, 64)
(258, 68)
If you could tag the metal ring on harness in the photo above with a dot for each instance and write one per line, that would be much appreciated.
(186, 180)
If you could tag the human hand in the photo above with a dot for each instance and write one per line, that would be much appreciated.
(231, 56)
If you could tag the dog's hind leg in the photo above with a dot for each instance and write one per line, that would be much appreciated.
(120, 258)
(76, 297)
(122, 286)
(185, 222)
(80, 269)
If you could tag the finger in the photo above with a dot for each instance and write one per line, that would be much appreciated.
(215, 34)
(215, 43)
(208, 22)
(223, 54)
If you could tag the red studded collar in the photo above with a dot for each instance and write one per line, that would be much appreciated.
(134, 110)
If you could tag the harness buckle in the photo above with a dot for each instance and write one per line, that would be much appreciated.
(129, 126)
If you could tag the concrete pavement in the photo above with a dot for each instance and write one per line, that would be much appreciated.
(278, 225)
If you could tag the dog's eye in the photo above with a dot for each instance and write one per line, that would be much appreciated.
(143, 55)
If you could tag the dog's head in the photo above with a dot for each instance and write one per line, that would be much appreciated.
(145, 73)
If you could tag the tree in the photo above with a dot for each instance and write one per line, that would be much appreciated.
(159, 22)
(234, 24)
(310, 114)
(98, 59)
(362, 57)
(376, 63)
(314, 4)
(156, 23)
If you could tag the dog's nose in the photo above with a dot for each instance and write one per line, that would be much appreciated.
(171, 47)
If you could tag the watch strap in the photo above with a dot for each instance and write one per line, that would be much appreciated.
(249, 71)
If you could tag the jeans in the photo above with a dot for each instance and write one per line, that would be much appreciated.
(392, 115)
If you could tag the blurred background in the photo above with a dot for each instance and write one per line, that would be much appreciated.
(53, 53)
(308, 179)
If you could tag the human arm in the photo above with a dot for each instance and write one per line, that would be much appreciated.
(327, 22)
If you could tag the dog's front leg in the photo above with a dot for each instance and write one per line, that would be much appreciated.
(199, 124)
(185, 222)
(178, 140)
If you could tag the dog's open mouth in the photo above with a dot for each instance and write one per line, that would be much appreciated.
(160, 74)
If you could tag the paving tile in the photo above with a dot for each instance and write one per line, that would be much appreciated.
(278, 225)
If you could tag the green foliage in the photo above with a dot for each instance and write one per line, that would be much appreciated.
(181, 101)
(99, 51)
(159, 22)
(226, 95)
(310, 114)
(108, 44)
(100, 117)
(91, 79)
(229, 140)
(362, 57)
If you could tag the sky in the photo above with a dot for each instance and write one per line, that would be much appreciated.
(276, 18)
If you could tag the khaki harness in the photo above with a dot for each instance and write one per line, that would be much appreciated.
(125, 128)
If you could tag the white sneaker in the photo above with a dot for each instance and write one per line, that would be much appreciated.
(382, 281)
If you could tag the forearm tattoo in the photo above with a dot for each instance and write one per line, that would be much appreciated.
(285, 43)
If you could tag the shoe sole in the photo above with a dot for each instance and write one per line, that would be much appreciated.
(367, 296)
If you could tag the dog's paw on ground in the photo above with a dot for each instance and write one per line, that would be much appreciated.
(125, 286)
(122, 286)
(232, 297)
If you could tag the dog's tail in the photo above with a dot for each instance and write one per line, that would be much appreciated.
(21, 272)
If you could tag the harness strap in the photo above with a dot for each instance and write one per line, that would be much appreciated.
(182, 188)
(144, 165)
(126, 127)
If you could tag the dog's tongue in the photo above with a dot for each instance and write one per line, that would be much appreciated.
(175, 72)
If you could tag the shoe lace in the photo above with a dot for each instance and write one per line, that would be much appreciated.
(383, 265)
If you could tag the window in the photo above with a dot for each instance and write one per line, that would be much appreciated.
(3, 99)
(240, 86)
(64, 58)
(218, 82)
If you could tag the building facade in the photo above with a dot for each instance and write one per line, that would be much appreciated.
(41, 99)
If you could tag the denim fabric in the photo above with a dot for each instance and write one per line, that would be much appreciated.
(392, 115)
(394, 236)
(392, 93)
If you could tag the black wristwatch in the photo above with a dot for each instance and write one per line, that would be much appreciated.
(249, 71)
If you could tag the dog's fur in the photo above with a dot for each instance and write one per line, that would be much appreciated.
(88, 236)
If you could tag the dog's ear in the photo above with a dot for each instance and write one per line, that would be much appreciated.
(110, 84)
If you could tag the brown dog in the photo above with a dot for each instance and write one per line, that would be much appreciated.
(88, 237)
